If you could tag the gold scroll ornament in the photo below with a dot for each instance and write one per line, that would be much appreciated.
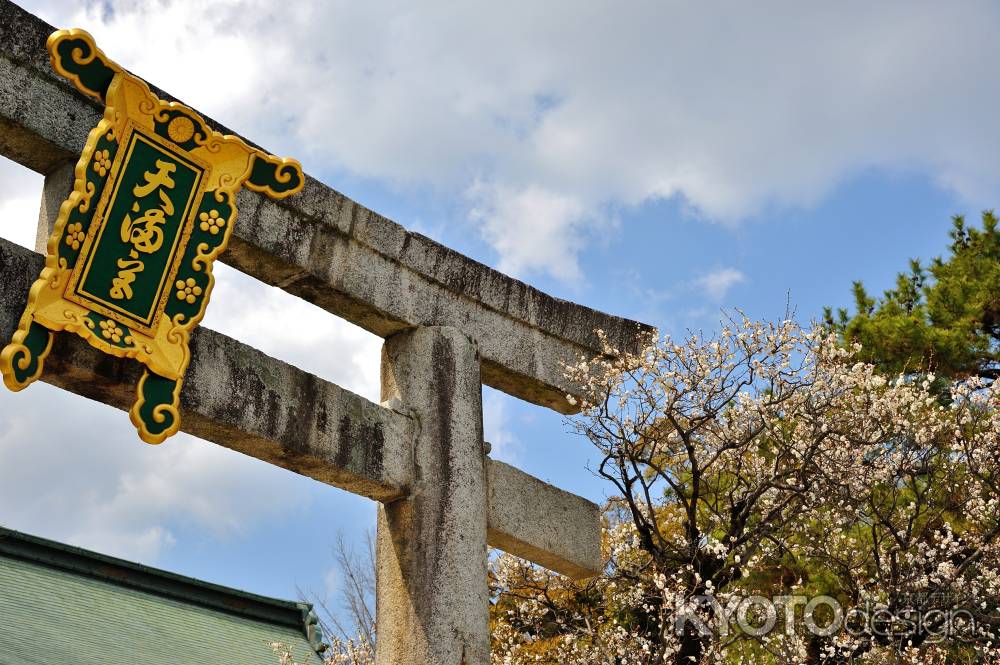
(129, 263)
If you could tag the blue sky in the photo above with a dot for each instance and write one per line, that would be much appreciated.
(661, 162)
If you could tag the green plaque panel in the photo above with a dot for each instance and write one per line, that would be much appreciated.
(124, 271)
(128, 266)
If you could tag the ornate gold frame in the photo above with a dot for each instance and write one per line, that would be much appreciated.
(53, 303)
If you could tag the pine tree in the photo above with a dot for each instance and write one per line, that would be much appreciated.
(944, 318)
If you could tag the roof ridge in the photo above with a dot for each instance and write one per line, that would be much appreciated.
(80, 561)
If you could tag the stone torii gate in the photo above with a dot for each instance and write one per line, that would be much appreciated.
(450, 325)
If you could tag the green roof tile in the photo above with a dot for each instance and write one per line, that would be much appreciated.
(60, 604)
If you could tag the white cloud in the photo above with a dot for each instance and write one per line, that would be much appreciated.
(716, 284)
(332, 582)
(76, 472)
(20, 196)
(505, 445)
(531, 228)
(557, 111)
(291, 329)
(19, 218)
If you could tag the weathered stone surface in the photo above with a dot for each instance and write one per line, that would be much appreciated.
(431, 591)
(57, 186)
(542, 523)
(240, 398)
(327, 249)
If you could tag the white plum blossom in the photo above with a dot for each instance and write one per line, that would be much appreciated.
(768, 461)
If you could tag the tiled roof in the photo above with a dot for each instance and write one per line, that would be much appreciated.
(64, 605)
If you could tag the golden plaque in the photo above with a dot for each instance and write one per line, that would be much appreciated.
(128, 266)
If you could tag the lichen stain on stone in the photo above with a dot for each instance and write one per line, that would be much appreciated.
(299, 424)
(251, 395)
(443, 358)
(372, 455)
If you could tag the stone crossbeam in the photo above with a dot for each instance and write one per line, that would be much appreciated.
(323, 247)
(240, 398)
(541, 523)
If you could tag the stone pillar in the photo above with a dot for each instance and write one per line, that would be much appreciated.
(431, 591)
(58, 184)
